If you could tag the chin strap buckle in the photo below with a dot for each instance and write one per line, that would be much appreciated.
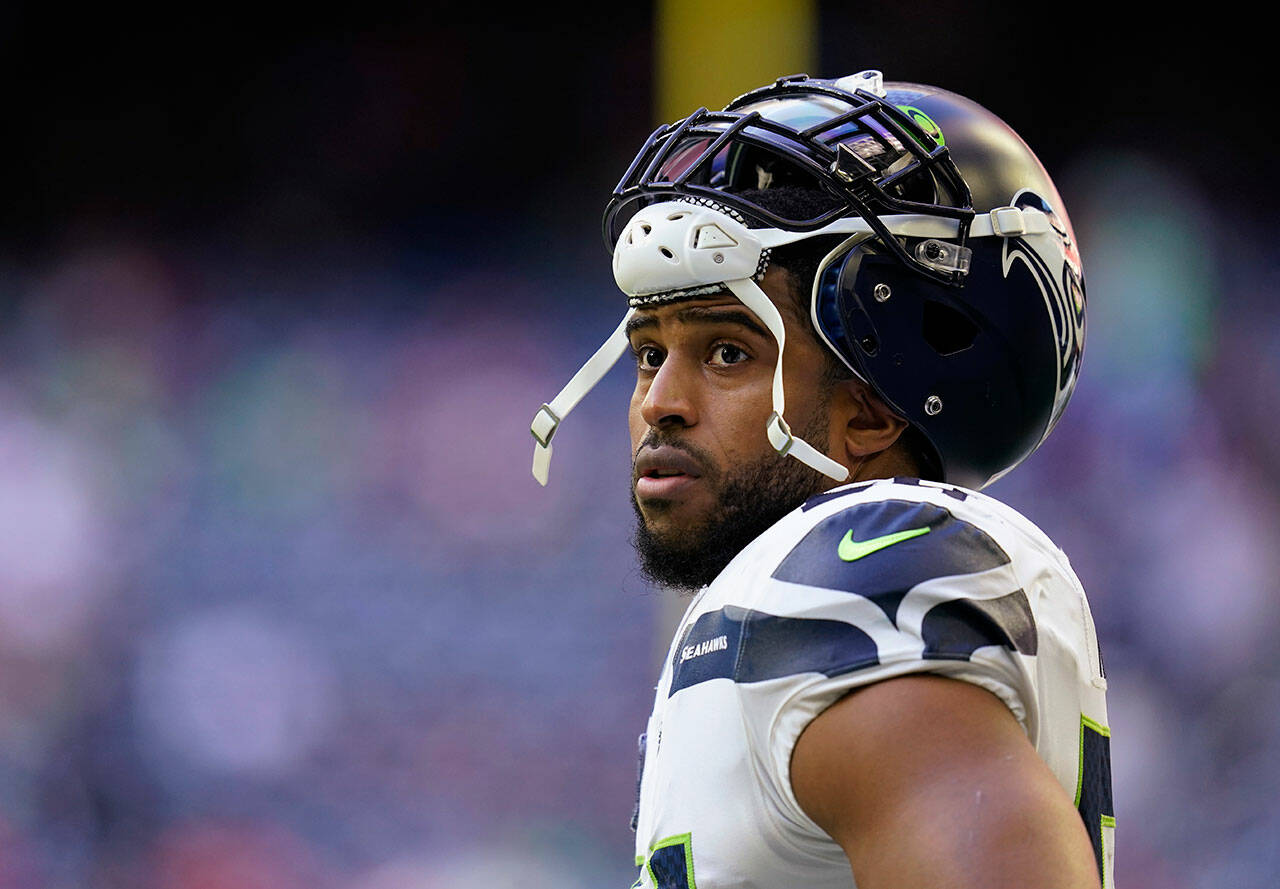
(547, 420)
(785, 443)
(544, 426)
(780, 434)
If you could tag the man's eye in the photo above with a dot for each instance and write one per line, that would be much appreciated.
(649, 358)
(727, 353)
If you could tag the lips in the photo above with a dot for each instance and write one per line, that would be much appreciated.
(663, 471)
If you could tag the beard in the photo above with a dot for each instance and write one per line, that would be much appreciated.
(750, 498)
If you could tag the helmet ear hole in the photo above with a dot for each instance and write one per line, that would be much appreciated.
(946, 329)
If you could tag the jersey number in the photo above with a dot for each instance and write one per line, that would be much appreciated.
(1093, 791)
(670, 863)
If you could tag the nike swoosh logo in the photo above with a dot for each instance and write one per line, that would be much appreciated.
(851, 550)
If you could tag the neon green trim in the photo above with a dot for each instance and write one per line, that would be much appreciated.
(1086, 722)
(1096, 726)
(682, 839)
(1107, 821)
(639, 861)
(925, 122)
(851, 550)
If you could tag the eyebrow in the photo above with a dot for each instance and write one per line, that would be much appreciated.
(704, 315)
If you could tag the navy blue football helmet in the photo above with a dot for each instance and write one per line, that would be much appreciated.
(956, 292)
(954, 288)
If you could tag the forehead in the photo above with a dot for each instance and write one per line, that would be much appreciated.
(716, 310)
(721, 307)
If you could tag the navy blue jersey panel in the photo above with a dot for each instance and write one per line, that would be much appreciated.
(889, 602)
(670, 867)
(1095, 803)
(750, 646)
(950, 547)
(709, 650)
(783, 646)
(955, 630)
(819, 499)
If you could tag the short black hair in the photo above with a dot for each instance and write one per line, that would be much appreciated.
(801, 259)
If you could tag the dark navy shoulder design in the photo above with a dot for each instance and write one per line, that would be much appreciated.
(950, 490)
(950, 546)
(881, 551)
(865, 550)
(750, 646)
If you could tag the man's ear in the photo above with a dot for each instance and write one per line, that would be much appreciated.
(870, 425)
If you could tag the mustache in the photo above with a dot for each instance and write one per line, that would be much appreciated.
(657, 438)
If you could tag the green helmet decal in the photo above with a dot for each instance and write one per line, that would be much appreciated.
(925, 122)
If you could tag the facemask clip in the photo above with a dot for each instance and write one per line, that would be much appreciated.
(942, 256)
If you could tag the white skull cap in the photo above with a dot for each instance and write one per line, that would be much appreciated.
(676, 247)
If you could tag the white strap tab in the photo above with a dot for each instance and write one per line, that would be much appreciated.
(548, 418)
(1010, 222)
(1007, 222)
(542, 463)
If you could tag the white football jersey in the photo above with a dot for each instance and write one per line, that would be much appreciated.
(863, 583)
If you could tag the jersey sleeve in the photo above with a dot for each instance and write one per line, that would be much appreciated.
(874, 591)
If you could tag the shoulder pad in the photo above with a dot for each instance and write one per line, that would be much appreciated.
(883, 549)
(872, 547)
(751, 646)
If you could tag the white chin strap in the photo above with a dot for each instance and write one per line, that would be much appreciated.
(677, 250)
(751, 296)
(666, 249)
(548, 417)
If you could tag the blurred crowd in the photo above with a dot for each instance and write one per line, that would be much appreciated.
(281, 605)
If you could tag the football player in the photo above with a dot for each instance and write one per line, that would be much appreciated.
(852, 305)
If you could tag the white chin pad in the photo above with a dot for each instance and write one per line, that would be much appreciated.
(679, 246)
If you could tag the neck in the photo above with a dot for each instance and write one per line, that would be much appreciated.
(889, 463)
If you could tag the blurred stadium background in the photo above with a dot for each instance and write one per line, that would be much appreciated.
(280, 604)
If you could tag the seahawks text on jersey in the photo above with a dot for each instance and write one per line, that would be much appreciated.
(861, 584)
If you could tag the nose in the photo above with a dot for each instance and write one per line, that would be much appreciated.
(669, 400)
